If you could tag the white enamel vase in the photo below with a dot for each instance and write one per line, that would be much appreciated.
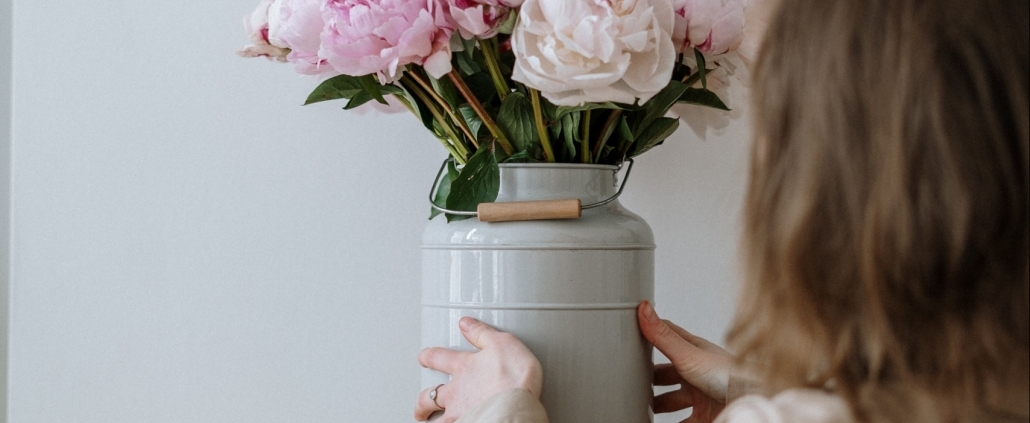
(567, 288)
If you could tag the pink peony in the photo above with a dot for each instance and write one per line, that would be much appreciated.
(362, 37)
(502, 3)
(711, 26)
(258, 30)
(297, 25)
(477, 18)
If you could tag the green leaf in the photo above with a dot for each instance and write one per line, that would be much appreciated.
(606, 151)
(624, 130)
(471, 119)
(653, 135)
(371, 85)
(549, 110)
(658, 106)
(499, 155)
(468, 49)
(444, 189)
(446, 89)
(515, 118)
(555, 128)
(421, 109)
(606, 137)
(482, 86)
(466, 63)
(509, 25)
(521, 157)
(570, 130)
(363, 97)
(335, 88)
(564, 110)
(390, 89)
(701, 67)
(477, 182)
(702, 97)
(360, 98)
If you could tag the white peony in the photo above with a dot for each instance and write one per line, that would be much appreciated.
(257, 25)
(577, 51)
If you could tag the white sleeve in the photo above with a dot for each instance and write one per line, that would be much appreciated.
(792, 406)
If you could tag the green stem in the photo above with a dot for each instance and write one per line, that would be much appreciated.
(606, 131)
(459, 151)
(584, 137)
(489, 47)
(446, 145)
(541, 128)
(460, 121)
(692, 78)
(454, 153)
(481, 111)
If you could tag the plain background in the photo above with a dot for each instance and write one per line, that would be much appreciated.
(188, 244)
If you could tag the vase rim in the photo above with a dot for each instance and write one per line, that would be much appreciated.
(557, 166)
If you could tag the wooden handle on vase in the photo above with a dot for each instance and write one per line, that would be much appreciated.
(529, 210)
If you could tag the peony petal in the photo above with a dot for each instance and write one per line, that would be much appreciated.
(727, 32)
(577, 51)
(636, 41)
(381, 37)
(438, 64)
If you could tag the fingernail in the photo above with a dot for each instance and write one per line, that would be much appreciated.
(465, 323)
(649, 313)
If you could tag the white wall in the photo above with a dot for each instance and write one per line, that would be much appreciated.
(191, 245)
(5, 171)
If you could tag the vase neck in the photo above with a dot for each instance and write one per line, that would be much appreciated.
(530, 182)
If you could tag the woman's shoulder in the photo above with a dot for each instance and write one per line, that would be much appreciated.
(793, 405)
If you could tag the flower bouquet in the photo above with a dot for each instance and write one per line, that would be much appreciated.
(495, 81)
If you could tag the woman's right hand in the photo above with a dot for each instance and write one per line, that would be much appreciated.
(701, 368)
(501, 363)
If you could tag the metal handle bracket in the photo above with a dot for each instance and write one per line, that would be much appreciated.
(609, 200)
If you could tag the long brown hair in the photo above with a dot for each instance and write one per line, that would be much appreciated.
(886, 222)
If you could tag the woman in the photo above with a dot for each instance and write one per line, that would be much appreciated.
(886, 234)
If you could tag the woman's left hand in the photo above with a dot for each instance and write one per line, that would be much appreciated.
(503, 363)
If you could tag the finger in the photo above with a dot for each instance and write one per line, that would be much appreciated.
(662, 336)
(425, 407)
(673, 401)
(441, 359)
(683, 333)
(698, 341)
(479, 334)
(667, 375)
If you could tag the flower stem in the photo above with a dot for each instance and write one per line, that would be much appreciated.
(490, 53)
(541, 128)
(692, 78)
(606, 131)
(584, 137)
(460, 121)
(456, 147)
(483, 115)
(448, 146)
